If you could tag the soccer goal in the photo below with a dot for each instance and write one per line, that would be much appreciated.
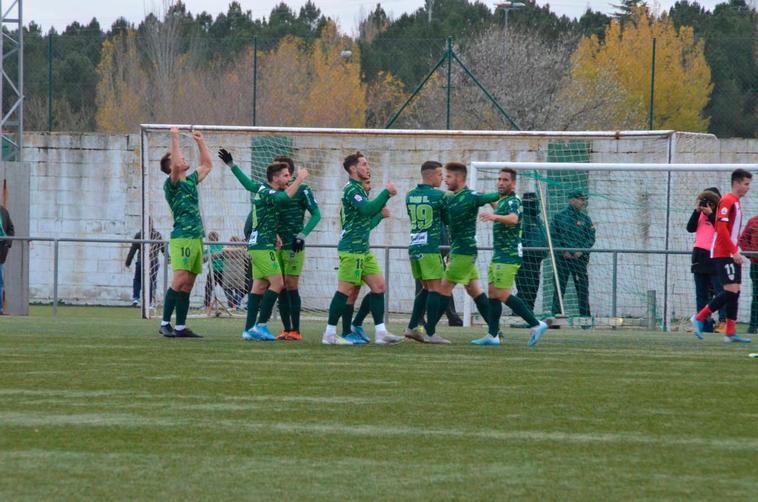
(615, 232)
(396, 155)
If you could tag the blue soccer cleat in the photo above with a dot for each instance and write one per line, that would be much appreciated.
(736, 339)
(697, 326)
(264, 335)
(537, 332)
(247, 336)
(360, 333)
(486, 340)
(355, 339)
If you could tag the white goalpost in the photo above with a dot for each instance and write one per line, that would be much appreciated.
(640, 211)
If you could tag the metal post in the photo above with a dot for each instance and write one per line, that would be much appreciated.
(386, 282)
(666, 256)
(614, 284)
(50, 81)
(651, 309)
(652, 90)
(255, 76)
(415, 92)
(145, 223)
(55, 278)
(449, 78)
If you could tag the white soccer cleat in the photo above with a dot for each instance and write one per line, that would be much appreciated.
(329, 339)
(387, 338)
(436, 340)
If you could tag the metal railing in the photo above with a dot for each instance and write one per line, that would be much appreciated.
(385, 249)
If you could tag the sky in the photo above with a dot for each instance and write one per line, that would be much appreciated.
(59, 14)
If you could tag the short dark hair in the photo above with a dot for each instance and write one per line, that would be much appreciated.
(456, 167)
(740, 174)
(274, 169)
(166, 163)
(286, 160)
(352, 160)
(510, 171)
(430, 165)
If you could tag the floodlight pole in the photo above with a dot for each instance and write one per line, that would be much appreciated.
(12, 108)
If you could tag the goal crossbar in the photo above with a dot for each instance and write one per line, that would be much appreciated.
(584, 166)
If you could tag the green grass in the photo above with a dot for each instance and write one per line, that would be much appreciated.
(96, 405)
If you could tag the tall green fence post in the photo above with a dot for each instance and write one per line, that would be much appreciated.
(49, 82)
(255, 76)
(652, 90)
(449, 77)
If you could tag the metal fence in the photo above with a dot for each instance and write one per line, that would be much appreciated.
(609, 271)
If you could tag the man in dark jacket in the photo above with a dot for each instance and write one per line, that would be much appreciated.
(528, 276)
(135, 251)
(6, 228)
(573, 228)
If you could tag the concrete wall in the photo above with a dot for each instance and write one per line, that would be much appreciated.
(88, 185)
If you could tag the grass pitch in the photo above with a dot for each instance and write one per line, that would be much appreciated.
(96, 405)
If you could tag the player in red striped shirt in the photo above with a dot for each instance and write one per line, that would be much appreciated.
(726, 256)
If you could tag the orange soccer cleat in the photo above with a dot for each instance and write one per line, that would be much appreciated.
(294, 336)
(283, 335)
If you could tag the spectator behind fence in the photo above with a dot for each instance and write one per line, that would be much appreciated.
(528, 276)
(573, 228)
(154, 264)
(749, 242)
(707, 281)
(215, 275)
(236, 272)
(6, 229)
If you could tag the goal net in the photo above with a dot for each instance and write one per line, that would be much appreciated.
(618, 231)
(396, 156)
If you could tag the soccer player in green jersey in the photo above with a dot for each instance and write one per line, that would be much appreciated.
(267, 275)
(424, 205)
(357, 263)
(186, 243)
(506, 260)
(460, 209)
(292, 231)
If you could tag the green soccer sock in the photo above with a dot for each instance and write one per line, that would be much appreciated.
(435, 308)
(419, 305)
(182, 307)
(285, 309)
(347, 319)
(253, 304)
(169, 304)
(339, 300)
(295, 306)
(377, 308)
(363, 310)
(521, 309)
(483, 306)
(495, 311)
(267, 306)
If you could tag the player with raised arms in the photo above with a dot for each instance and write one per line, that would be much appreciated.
(292, 230)
(506, 260)
(460, 209)
(357, 263)
(186, 242)
(726, 256)
(424, 206)
(267, 275)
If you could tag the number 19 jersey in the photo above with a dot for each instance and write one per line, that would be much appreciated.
(424, 206)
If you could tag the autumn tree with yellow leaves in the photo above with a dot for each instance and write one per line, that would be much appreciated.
(620, 64)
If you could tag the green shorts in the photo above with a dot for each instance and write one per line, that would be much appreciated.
(502, 275)
(265, 263)
(291, 262)
(355, 266)
(186, 254)
(427, 266)
(461, 269)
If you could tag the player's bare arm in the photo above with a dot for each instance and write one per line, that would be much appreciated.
(291, 190)
(206, 161)
(505, 219)
(177, 161)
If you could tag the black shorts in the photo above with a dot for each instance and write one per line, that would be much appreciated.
(728, 271)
